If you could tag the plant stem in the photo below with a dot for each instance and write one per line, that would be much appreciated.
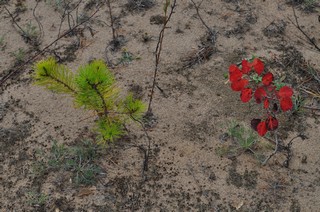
(17, 69)
(94, 87)
(275, 149)
(114, 37)
(158, 52)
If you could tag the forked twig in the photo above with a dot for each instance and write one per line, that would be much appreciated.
(114, 34)
(296, 24)
(18, 69)
(275, 150)
(158, 51)
(211, 32)
(15, 23)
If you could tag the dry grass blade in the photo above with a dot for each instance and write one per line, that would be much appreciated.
(199, 56)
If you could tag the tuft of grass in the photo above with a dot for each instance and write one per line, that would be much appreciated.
(126, 57)
(80, 160)
(298, 103)
(31, 31)
(245, 137)
(2, 43)
(243, 140)
(19, 55)
(36, 199)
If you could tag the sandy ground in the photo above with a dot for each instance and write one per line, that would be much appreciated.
(187, 170)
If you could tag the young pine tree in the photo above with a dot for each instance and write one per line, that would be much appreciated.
(93, 87)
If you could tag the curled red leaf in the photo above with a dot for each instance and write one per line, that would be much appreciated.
(266, 103)
(272, 123)
(285, 91)
(239, 84)
(246, 94)
(262, 128)
(267, 78)
(259, 94)
(235, 75)
(286, 104)
(258, 65)
(246, 67)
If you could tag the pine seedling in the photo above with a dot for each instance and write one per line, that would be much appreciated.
(93, 87)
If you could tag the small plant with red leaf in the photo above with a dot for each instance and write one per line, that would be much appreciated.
(251, 80)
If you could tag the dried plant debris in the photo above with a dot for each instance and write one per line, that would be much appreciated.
(305, 5)
(157, 19)
(139, 5)
(275, 28)
(239, 30)
(199, 56)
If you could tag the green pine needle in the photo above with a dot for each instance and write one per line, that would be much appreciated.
(109, 130)
(93, 88)
(96, 86)
(134, 107)
(54, 77)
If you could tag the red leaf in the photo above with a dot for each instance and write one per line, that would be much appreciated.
(239, 84)
(272, 123)
(254, 123)
(271, 87)
(246, 68)
(258, 65)
(259, 94)
(246, 94)
(262, 128)
(285, 91)
(266, 103)
(267, 78)
(235, 75)
(286, 104)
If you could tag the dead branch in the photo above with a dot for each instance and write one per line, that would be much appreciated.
(114, 35)
(296, 24)
(158, 52)
(19, 68)
(211, 32)
(275, 149)
(24, 34)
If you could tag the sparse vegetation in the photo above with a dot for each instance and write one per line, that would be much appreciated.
(79, 160)
(2, 43)
(93, 88)
(19, 55)
(36, 199)
(80, 145)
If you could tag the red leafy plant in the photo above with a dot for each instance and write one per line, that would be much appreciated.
(251, 80)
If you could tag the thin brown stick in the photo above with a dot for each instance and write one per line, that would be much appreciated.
(158, 52)
(15, 23)
(296, 24)
(275, 149)
(114, 35)
(19, 68)
(201, 19)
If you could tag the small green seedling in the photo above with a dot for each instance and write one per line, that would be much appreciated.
(93, 87)
(245, 137)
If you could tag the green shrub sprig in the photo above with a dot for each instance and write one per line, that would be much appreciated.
(93, 87)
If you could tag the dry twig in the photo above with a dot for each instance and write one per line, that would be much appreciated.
(19, 68)
(158, 52)
(296, 24)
